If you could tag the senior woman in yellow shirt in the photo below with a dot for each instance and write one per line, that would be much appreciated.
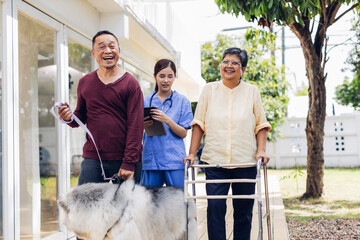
(230, 114)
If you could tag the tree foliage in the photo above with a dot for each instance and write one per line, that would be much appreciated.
(211, 53)
(348, 93)
(79, 57)
(284, 12)
(260, 71)
(309, 21)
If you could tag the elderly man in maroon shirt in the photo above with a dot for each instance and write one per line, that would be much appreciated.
(110, 103)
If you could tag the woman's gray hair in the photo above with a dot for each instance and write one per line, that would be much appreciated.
(241, 54)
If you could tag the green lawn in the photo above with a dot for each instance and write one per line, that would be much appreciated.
(339, 184)
(48, 187)
(341, 196)
(74, 181)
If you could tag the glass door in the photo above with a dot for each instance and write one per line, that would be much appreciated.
(80, 63)
(38, 135)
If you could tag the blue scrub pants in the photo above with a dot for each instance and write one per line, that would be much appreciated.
(243, 208)
(158, 178)
(90, 171)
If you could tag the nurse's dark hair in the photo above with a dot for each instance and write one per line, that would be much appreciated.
(104, 32)
(241, 54)
(162, 64)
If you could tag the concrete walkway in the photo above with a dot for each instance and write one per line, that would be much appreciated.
(277, 213)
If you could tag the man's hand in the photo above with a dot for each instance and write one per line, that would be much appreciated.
(64, 112)
(125, 174)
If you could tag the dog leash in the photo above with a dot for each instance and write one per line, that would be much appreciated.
(120, 181)
(57, 105)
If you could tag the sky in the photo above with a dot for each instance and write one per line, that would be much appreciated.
(210, 22)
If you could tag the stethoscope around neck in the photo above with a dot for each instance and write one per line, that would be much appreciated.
(163, 104)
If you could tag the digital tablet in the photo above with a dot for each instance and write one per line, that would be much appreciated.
(157, 128)
(147, 112)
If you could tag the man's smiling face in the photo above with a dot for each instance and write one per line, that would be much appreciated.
(106, 51)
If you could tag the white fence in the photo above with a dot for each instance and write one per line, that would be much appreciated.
(341, 143)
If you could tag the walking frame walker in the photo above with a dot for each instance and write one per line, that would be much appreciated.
(256, 196)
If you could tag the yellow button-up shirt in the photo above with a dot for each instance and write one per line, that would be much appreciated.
(230, 119)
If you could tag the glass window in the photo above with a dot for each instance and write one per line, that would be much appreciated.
(147, 85)
(146, 81)
(38, 136)
(79, 65)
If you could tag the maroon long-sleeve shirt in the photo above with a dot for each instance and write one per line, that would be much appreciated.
(114, 114)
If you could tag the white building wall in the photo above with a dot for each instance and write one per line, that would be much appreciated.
(341, 143)
(183, 40)
(167, 17)
(78, 14)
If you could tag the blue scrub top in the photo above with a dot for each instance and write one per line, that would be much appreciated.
(167, 152)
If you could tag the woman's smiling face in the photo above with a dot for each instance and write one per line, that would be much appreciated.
(231, 68)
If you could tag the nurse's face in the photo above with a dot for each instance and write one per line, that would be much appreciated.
(165, 79)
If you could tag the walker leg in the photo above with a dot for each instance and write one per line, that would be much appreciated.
(268, 220)
(260, 220)
(185, 199)
(258, 178)
(187, 222)
(193, 185)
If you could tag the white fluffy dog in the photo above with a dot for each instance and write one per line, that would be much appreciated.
(97, 211)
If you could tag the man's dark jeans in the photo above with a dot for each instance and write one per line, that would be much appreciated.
(91, 170)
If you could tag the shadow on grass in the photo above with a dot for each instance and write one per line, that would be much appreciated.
(320, 208)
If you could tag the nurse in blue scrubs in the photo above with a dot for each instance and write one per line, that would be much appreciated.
(163, 155)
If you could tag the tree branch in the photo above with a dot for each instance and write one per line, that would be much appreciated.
(321, 32)
(312, 27)
(331, 13)
(306, 21)
(323, 11)
(342, 43)
(297, 28)
(351, 8)
(323, 6)
(325, 53)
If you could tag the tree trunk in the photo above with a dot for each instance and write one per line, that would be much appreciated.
(315, 134)
(316, 114)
